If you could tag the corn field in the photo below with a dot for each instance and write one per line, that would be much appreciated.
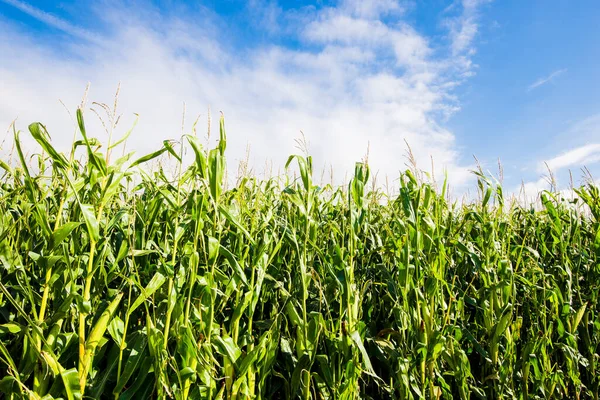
(119, 281)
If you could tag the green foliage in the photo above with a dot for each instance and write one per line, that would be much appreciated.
(116, 282)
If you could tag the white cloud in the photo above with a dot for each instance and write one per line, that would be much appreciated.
(362, 82)
(547, 79)
(580, 156)
(583, 154)
(334, 27)
(373, 8)
(529, 192)
(464, 27)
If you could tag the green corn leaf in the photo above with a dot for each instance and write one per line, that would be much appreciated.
(96, 160)
(101, 325)
(142, 386)
(171, 150)
(502, 324)
(235, 222)
(6, 357)
(147, 158)
(187, 373)
(70, 379)
(216, 169)
(10, 328)
(6, 167)
(155, 283)
(222, 136)
(578, 318)
(201, 160)
(133, 362)
(228, 348)
(233, 263)
(89, 216)
(365, 356)
(40, 134)
(61, 233)
(116, 328)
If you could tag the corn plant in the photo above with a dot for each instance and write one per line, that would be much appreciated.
(122, 280)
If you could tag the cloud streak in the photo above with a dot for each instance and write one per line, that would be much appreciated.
(55, 22)
(355, 81)
(545, 80)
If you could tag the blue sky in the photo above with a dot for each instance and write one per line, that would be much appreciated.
(452, 78)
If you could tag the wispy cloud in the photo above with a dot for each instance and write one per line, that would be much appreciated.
(55, 22)
(547, 79)
(372, 8)
(355, 80)
(580, 156)
(463, 26)
(582, 152)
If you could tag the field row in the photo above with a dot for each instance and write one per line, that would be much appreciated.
(120, 282)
